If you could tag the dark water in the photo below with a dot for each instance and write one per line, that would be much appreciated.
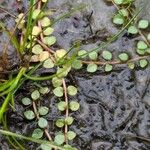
(112, 105)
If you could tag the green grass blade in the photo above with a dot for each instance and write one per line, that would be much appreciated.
(32, 139)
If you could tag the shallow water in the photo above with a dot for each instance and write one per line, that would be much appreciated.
(112, 105)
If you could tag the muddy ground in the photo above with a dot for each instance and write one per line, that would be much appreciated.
(113, 104)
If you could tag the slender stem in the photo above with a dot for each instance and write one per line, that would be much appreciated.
(38, 117)
(115, 62)
(67, 110)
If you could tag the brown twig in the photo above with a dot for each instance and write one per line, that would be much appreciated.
(67, 110)
(38, 117)
(45, 46)
(39, 23)
(115, 62)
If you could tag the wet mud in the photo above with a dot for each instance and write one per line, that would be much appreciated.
(113, 105)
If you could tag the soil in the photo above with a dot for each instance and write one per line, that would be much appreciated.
(112, 105)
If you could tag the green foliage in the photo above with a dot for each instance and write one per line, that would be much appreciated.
(29, 114)
(140, 51)
(74, 106)
(71, 135)
(57, 82)
(50, 40)
(131, 65)
(26, 101)
(48, 63)
(77, 64)
(59, 139)
(142, 45)
(143, 63)
(36, 30)
(42, 123)
(44, 90)
(45, 22)
(45, 147)
(69, 120)
(60, 123)
(72, 90)
(123, 57)
(36, 13)
(118, 19)
(132, 30)
(93, 55)
(35, 95)
(143, 24)
(48, 31)
(118, 2)
(58, 91)
(62, 106)
(37, 133)
(92, 68)
(123, 12)
(43, 110)
(37, 49)
(107, 55)
(108, 67)
(82, 53)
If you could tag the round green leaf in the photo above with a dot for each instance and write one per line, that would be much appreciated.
(60, 123)
(43, 110)
(93, 55)
(36, 13)
(26, 101)
(132, 30)
(131, 65)
(107, 55)
(123, 57)
(44, 1)
(48, 31)
(58, 91)
(118, 19)
(91, 68)
(59, 139)
(44, 90)
(82, 53)
(123, 12)
(71, 135)
(60, 53)
(37, 133)
(62, 106)
(143, 63)
(77, 64)
(35, 95)
(72, 90)
(56, 82)
(45, 147)
(118, 2)
(143, 24)
(37, 49)
(49, 40)
(108, 67)
(36, 30)
(61, 72)
(148, 50)
(69, 120)
(141, 45)
(74, 106)
(140, 51)
(42, 123)
(48, 63)
(45, 22)
(29, 114)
